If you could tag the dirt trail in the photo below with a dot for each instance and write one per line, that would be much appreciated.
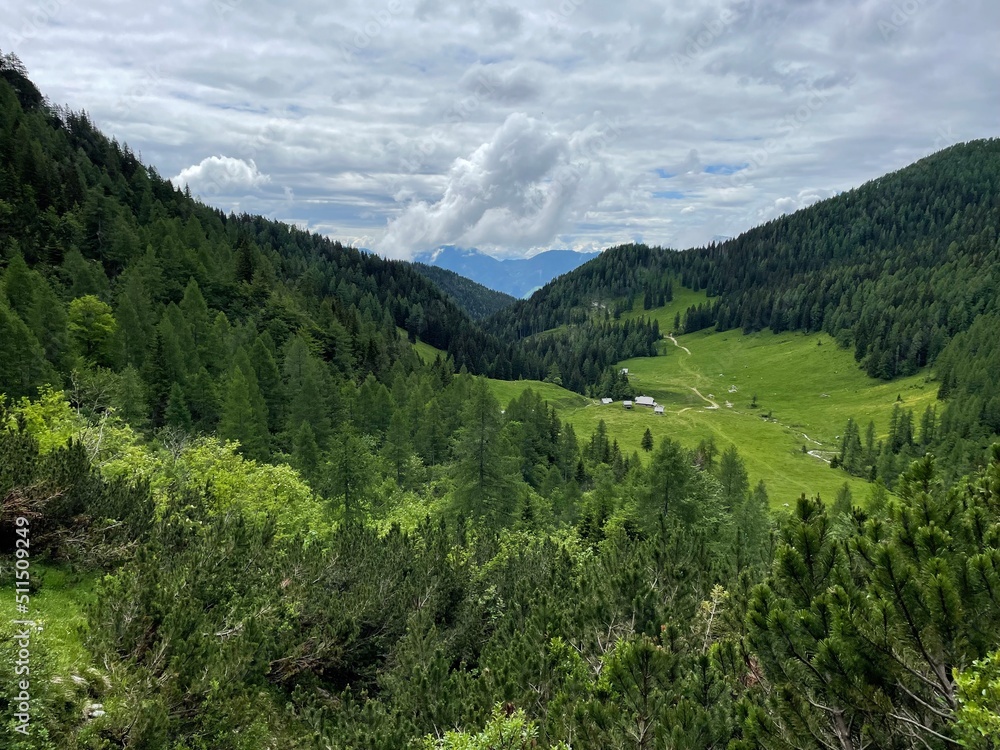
(714, 405)
(668, 336)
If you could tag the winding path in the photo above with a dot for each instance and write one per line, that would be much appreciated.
(668, 336)
(714, 405)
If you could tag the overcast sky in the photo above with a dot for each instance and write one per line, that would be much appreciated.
(516, 126)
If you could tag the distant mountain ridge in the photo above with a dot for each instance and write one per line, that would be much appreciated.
(518, 277)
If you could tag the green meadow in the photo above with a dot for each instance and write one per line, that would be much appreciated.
(683, 299)
(806, 389)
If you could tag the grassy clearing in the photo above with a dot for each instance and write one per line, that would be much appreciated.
(58, 604)
(426, 352)
(805, 382)
(563, 400)
(683, 299)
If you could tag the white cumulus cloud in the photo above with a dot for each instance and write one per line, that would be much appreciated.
(221, 174)
(519, 189)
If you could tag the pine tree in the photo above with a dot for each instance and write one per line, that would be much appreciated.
(733, 478)
(305, 391)
(349, 472)
(647, 440)
(22, 361)
(306, 454)
(670, 473)
(483, 467)
(397, 449)
(240, 420)
(177, 415)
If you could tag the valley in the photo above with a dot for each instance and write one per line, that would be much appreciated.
(263, 489)
(806, 387)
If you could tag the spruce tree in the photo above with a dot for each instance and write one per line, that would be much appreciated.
(240, 420)
(177, 416)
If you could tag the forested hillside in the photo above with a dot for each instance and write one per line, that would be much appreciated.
(240, 512)
(894, 268)
(905, 270)
(477, 300)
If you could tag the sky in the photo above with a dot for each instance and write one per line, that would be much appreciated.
(517, 127)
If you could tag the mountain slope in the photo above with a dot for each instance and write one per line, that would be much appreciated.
(476, 300)
(895, 267)
(104, 264)
(904, 270)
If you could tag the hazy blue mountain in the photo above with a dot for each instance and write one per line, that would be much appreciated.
(518, 277)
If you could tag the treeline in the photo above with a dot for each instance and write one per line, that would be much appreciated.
(895, 268)
(583, 357)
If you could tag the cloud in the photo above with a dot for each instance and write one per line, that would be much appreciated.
(387, 122)
(508, 83)
(790, 204)
(222, 175)
(518, 189)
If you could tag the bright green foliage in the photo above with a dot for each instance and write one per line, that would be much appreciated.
(979, 703)
(254, 489)
(92, 327)
(507, 729)
(49, 419)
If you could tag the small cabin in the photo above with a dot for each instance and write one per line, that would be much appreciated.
(624, 371)
(657, 410)
(645, 401)
(607, 401)
(627, 404)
